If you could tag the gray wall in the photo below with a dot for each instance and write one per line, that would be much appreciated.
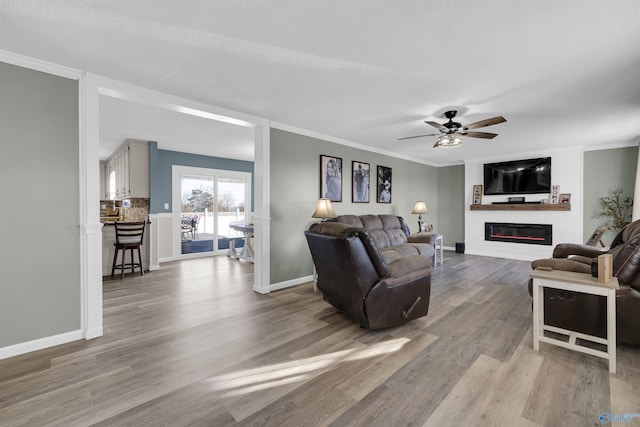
(39, 208)
(295, 189)
(606, 170)
(161, 162)
(451, 204)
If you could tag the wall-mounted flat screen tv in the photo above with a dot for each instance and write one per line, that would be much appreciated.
(531, 176)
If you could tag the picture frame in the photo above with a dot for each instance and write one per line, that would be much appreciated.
(383, 191)
(565, 199)
(331, 178)
(477, 195)
(596, 237)
(360, 179)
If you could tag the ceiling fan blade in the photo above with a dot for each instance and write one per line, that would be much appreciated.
(418, 136)
(486, 122)
(485, 135)
(438, 126)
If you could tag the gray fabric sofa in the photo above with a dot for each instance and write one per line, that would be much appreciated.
(392, 236)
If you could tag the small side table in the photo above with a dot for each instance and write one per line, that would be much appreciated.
(577, 282)
(439, 246)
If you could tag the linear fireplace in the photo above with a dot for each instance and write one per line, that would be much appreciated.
(534, 234)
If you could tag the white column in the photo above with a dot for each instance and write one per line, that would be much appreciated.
(636, 192)
(261, 220)
(90, 226)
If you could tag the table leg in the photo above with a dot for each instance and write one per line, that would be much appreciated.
(232, 248)
(611, 329)
(538, 309)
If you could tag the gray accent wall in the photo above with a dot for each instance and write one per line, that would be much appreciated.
(295, 189)
(162, 161)
(606, 170)
(39, 205)
(450, 205)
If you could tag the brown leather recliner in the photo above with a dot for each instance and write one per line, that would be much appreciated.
(355, 277)
(587, 313)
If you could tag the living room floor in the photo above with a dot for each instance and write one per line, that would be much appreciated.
(192, 345)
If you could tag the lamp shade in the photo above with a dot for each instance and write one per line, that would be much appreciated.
(324, 209)
(420, 208)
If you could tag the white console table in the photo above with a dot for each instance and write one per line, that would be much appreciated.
(577, 282)
(247, 250)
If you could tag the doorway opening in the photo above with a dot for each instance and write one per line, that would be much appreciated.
(210, 202)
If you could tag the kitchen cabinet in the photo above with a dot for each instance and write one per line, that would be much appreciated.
(128, 168)
(104, 189)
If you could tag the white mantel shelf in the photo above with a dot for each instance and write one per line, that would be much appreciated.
(523, 207)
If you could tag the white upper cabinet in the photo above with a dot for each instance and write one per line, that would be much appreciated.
(127, 171)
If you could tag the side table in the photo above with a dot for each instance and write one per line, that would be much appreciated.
(577, 282)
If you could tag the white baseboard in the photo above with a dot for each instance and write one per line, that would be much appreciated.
(39, 344)
(290, 283)
(93, 333)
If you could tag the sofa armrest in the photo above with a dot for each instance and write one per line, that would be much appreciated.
(429, 238)
(564, 250)
(374, 253)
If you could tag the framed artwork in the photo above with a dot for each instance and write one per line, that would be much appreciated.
(596, 237)
(565, 198)
(360, 183)
(477, 195)
(384, 184)
(331, 178)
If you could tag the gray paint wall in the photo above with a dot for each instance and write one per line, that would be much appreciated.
(606, 170)
(39, 210)
(161, 162)
(450, 205)
(295, 189)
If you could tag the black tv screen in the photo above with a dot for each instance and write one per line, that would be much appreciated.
(532, 176)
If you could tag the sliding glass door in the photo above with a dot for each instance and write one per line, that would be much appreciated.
(208, 201)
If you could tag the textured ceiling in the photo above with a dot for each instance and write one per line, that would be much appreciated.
(563, 73)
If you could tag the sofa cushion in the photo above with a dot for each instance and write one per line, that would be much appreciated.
(393, 229)
(373, 224)
(407, 269)
(352, 220)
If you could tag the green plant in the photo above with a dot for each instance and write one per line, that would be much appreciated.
(617, 208)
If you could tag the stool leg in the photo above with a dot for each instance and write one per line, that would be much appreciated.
(133, 264)
(124, 263)
(140, 260)
(115, 258)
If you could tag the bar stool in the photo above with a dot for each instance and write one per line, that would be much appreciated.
(129, 235)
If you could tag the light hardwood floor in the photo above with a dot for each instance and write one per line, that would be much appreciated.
(193, 345)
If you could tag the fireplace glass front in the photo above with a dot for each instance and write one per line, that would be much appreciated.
(533, 234)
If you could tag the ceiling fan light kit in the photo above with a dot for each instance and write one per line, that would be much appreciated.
(451, 132)
(448, 141)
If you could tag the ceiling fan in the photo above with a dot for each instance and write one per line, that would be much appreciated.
(451, 132)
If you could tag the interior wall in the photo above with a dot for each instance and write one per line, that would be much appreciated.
(295, 189)
(450, 205)
(39, 176)
(566, 171)
(604, 171)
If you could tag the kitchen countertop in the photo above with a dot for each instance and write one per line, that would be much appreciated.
(108, 221)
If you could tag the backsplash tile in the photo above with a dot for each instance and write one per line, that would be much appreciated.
(138, 209)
